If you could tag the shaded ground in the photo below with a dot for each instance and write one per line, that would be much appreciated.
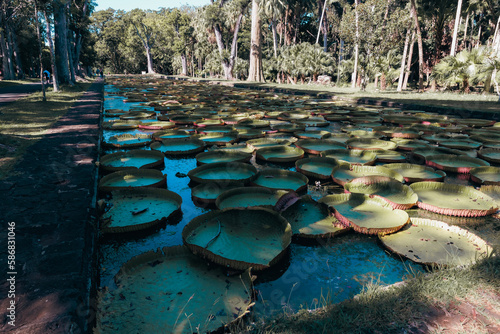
(50, 200)
(11, 93)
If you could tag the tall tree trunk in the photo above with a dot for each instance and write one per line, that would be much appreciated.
(356, 47)
(228, 65)
(464, 41)
(7, 66)
(79, 41)
(408, 63)
(420, 48)
(403, 59)
(322, 8)
(70, 56)
(61, 41)
(255, 72)
(17, 54)
(184, 64)
(275, 37)
(44, 97)
(55, 82)
(149, 57)
(455, 29)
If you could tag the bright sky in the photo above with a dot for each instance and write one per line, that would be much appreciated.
(147, 4)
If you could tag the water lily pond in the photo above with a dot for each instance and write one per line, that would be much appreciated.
(290, 156)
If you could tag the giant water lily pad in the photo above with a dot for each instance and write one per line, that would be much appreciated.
(179, 146)
(275, 178)
(255, 144)
(137, 209)
(132, 179)
(490, 155)
(249, 196)
(433, 242)
(453, 199)
(389, 156)
(450, 163)
(486, 175)
(370, 144)
(354, 157)
(120, 125)
(398, 195)
(345, 173)
(207, 193)
(132, 159)
(128, 140)
(223, 156)
(310, 219)
(171, 134)
(158, 125)
(316, 146)
(312, 134)
(172, 291)
(417, 173)
(289, 127)
(239, 238)
(280, 153)
(460, 144)
(319, 168)
(216, 138)
(223, 173)
(365, 214)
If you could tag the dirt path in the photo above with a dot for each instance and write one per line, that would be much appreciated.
(48, 205)
(11, 93)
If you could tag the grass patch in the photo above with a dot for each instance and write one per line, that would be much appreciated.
(416, 306)
(24, 122)
(9, 83)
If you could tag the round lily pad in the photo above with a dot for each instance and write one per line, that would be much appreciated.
(318, 168)
(255, 144)
(365, 214)
(490, 155)
(289, 127)
(207, 193)
(245, 197)
(486, 175)
(137, 209)
(223, 173)
(450, 163)
(239, 238)
(417, 173)
(312, 134)
(461, 144)
(423, 153)
(120, 125)
(131, 160)
(242, 147)
(223, 156)
(208, 122)
(354, 157)
(280, 153)
(158, 125)
(216, 138)
(275, 178)
(433, 242)
(409, 144)
(316, 146)
(250, 134)
(453, 199)
(398, 195)
(172, 290)
(370, 144)
(171, 134)
(389, 156)
(183, 146)
(345, 173)
(128, 140)
(132, 179)
(310, 219)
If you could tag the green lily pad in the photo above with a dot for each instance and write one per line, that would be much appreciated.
(242, 147)
(365, 214)
(433, 242)
(275, 178)
(172, 290)
(450, 163)
(132, 179)
(216, 138)
(312, 134)
(387, 156)
(223, 173)
(120, 125)
(453, 199)
(460, 144)
(137, 209)
(318, 168)
(370, 144)
(207, 193)
(289, 127)
(183, 146)
(346, 172)
(171, 134)
(486, 175)
(157, 125)
(417, 173)
(255, 144)
(398, 195)
(132, 159)
(245, 197)
(353, 157)
(127, 140)
(239, 238)
(222, 156)
(279, 153)
(250, 134)
(490, 155)
(316, 146)
(410, 144)
(310, 219)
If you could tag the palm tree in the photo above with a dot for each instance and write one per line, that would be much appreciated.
(274, 10)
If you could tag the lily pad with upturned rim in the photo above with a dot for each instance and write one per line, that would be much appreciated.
(353, 157)
(132, 159)
(138, 209)
(132, 179)
(184, 146)
(346, 172)
(312, 134)
(387, 156)
(171, 134)
(319, 168)
(398, 195)
(275, 178)
(223, 173)
(417, 173)
(222, 156)
(166, 285)
(453, 199)
(433, 242)
(280, 153)
(239, 238)
(490, 155)
(365, 214)
(207, 193)
(255, 144)
(316, 146)
(128, 140)
(486, 175)
(450, 163)
(216, 138)
(370, 144)
(310, 219)
(245, 197)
